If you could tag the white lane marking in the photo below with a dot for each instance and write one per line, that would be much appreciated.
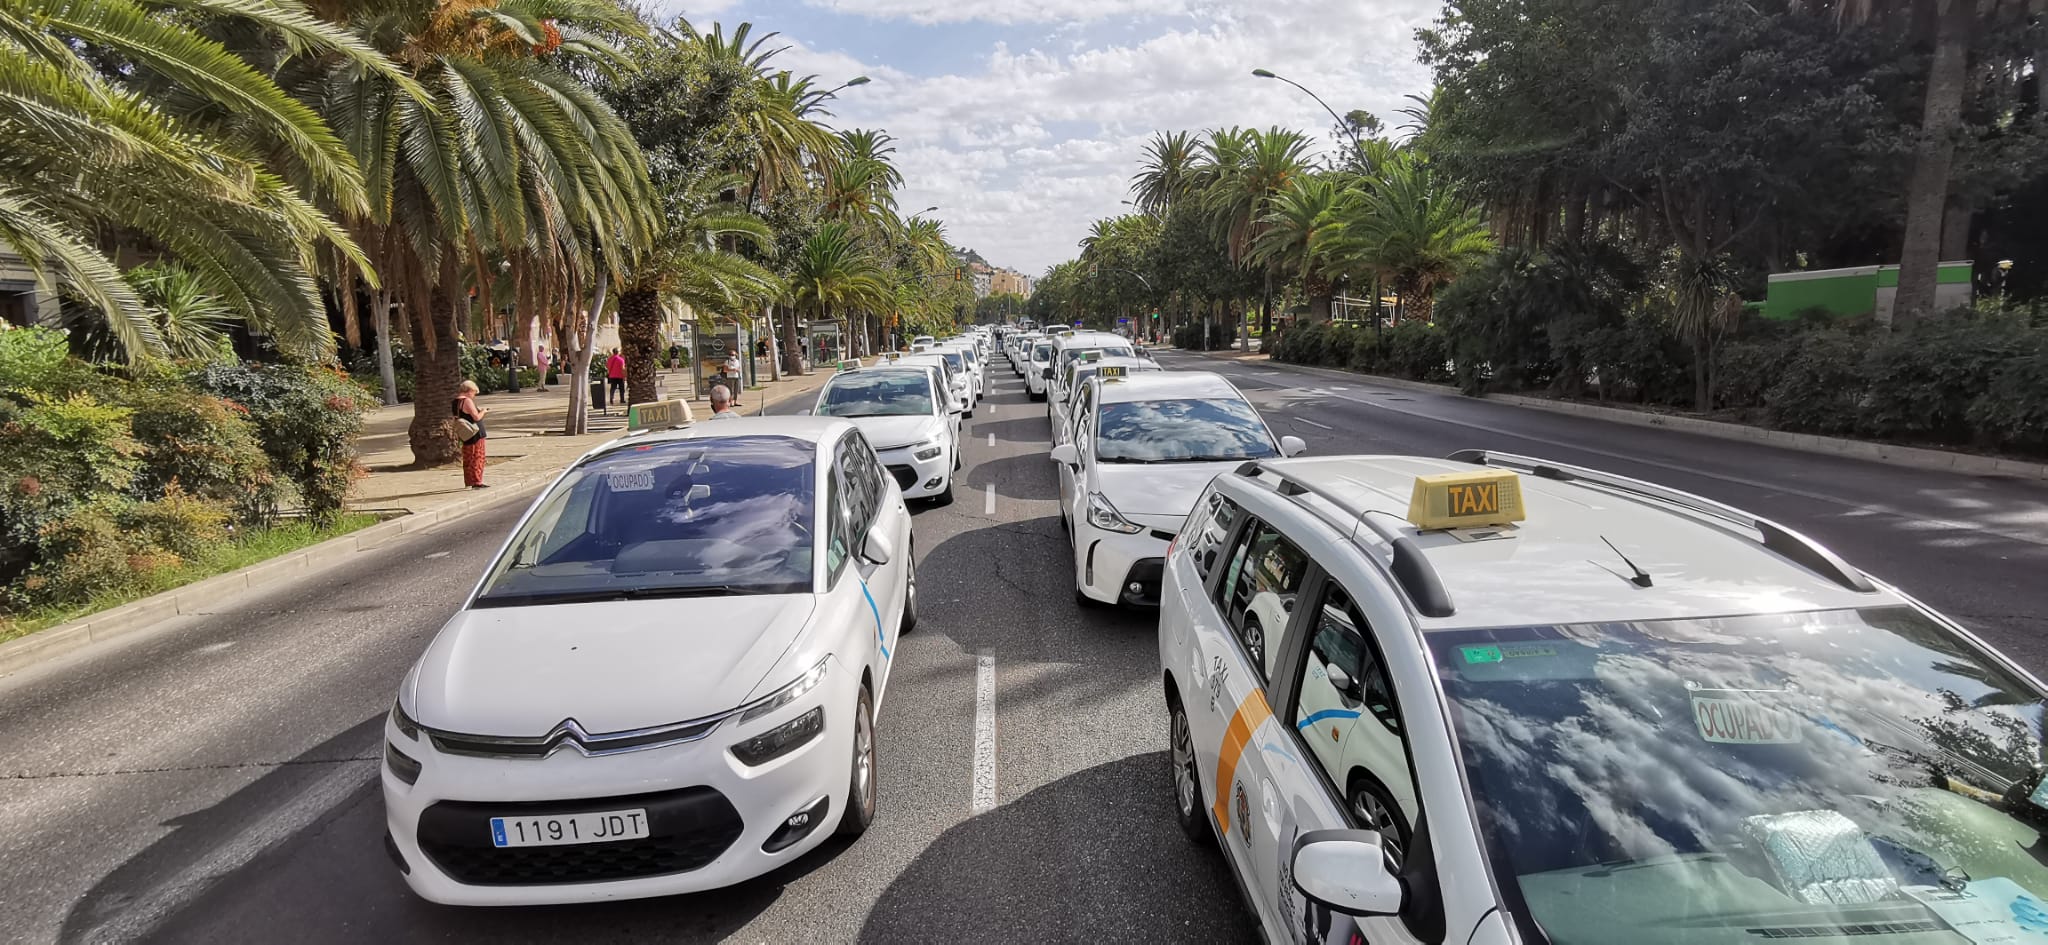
(991, 439)
(1309, 422)
(437, 554)
(988, 506)
(984, 734)
(138, 917)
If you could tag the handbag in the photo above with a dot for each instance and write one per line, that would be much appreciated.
(465, 428)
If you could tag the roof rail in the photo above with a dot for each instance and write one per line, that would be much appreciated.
(1790, 544)
(1410, 567)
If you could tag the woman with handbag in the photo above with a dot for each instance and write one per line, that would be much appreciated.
(469, 428)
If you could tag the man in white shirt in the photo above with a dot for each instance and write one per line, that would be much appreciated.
(721, 403)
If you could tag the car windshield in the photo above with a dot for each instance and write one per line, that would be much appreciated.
(1070, 355)
(1041, 353)
(1181, 431)
(727, 515)
(1730, 779)
(954, 361)
(877, 394)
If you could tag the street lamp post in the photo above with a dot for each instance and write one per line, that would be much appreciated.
(1358, 146)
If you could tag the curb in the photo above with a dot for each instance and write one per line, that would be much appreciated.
(199, 596)
(1916, 457)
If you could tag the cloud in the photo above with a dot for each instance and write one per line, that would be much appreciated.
(1023, 149)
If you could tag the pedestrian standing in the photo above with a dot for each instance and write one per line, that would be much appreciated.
(721, 403)
(615, 372)
(469, 423)
(732, 372)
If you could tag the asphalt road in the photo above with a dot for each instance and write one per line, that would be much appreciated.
(214, 782)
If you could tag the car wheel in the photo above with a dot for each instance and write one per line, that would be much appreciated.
(944, 498)
(860, 787)
(1187, 781)
(909, 621)
(1255, 640)
(1375, 810)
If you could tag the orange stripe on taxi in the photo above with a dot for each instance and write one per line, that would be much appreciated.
(1251, 713)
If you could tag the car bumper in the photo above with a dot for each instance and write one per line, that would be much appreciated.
(918, 478)
(710, 816)
(1116, 568)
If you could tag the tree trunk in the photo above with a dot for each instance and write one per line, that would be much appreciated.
(1927, 188)
(386, 372)
(578, 421)
(640, 336)
(774, 343)
(436, 372)
(792, 351)
(1266, 310)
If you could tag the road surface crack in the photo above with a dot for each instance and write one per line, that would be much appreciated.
(175, 769)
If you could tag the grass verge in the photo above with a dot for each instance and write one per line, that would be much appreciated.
(252, 548)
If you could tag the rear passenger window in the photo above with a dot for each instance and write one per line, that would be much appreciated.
(1206, 529)
(1258, 591)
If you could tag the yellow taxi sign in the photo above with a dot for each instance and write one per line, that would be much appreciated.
(659, 415)
(1466, 499)
(849, 365)
(1111, 370)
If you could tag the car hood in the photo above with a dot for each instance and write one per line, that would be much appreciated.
(888, 433)
(612, 666)
(1168, 489)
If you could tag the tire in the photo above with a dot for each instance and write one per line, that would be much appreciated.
(909, 621)
(862, 780)
(1375, 810)
(1187, 778)
(945, 498)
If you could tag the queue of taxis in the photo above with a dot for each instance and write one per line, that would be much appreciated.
(1491, 699)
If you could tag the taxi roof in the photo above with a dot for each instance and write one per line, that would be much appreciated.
(1164, 385)
(1090, 339)
(1558, 567)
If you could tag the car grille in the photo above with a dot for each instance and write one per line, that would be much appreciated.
(906, 477)
(686, 830)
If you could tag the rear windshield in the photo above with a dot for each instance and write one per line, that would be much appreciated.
(1070, 355)
(730, 515)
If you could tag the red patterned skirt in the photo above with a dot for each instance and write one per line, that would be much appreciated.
(473, 462)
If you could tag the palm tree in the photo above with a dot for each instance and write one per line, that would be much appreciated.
(1412, 227)
(513, 160)
(1263, 164)
(183, 150)
(833, 269)
(1295, 223)
(1168, 173)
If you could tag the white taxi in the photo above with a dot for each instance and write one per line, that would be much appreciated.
(954, 365)
(1070, 347)
(1143, 447)
(1037, 368)
(669, 679)
(1495, 699)
(971, 360)
(903, 411)
(1078, 374)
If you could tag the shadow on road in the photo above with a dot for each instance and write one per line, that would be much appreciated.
(1025, 872)
(1016, 430)
(1029, 476)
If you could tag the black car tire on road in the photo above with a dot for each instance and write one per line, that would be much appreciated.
(909, 621)
(1187, 784)
(860, 786)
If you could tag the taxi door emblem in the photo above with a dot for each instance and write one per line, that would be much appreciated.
(1333, 734)
(1244, 814)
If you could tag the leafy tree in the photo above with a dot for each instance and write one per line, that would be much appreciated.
(1412, 226)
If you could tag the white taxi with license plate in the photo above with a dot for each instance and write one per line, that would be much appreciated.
(903, 412)
(1144, 445)
(1494, 699)
(668, 681)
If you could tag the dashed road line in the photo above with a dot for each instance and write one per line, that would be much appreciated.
(988, 506)
(991, 439)
(984, 799)
(1309, 422)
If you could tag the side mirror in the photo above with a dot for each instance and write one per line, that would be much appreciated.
(1047, 374)
(1065, 453)
(1293, 446)
(1341, 680)
(1347, 872)
(876, 547)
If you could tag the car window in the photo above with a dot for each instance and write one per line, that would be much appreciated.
(728, 514)
(1041, 353)
(1343, 680)
(1266, 571)
(876, 394)
(954, 361)
(1182, 431)
(837, 519)
(1207, 526)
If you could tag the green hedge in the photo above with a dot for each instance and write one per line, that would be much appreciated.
(476, 366)
(111, 476)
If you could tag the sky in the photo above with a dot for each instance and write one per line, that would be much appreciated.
(1023, 121)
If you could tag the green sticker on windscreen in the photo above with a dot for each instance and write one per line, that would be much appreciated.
(1481, 654)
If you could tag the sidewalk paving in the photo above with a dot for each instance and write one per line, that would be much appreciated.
(526, 447)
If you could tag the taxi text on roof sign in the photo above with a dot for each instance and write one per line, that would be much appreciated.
(659, 415)
(1466, 499)
(1112, 371)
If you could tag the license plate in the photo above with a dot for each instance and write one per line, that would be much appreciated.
(551, 830)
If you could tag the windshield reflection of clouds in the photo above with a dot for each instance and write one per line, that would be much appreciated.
(1180, 430)
(1586, 746)
(902, 395)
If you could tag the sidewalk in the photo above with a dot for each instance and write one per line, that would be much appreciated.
(526, 447)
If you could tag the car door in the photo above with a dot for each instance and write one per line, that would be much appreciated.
(865, 499)
(1074, 479)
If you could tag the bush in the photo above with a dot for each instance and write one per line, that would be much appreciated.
(1924, 381)
(56, 455)
(306, 418)
(111, 545)
(207, 448)
(2012, 412)
(1418, 351)
(1821, 385)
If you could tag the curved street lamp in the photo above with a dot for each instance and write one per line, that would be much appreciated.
(1356, 144)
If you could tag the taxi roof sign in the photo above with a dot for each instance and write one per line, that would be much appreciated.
(1111, 371)
(1466, 499)
(849, 365)
(659, 415)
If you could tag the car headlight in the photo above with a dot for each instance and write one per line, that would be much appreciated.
(1103, 515)
(782, 739)
(929, 449)
(406, 726)
(401, 764)
(787, 694)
